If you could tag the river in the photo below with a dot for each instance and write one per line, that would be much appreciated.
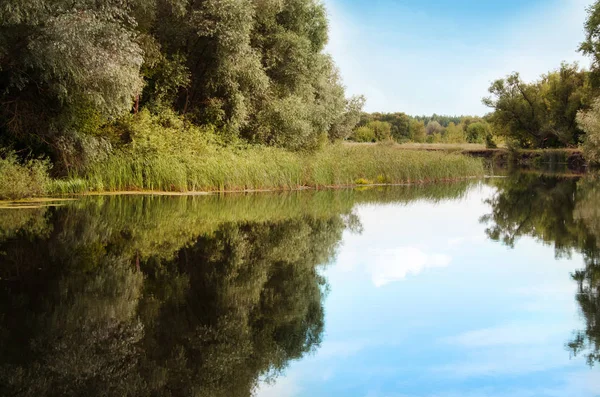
(482, 288)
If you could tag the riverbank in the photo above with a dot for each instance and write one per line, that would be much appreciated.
(252, 168)
(571, 158)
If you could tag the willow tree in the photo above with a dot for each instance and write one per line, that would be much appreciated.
(542, 113)
(66, 67)
(255, 69)
(248, 69)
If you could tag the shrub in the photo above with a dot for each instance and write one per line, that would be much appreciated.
(489, 142)
(22, 180)
(363, 134)
(381, 129)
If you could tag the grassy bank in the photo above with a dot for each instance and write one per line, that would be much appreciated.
(572, 158)
(261, 168)
(254, 168)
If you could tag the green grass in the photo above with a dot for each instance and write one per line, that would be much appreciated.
(262, 168)
(164, 153)
(344, 165)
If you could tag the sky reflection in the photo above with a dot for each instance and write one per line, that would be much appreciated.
(423, 304)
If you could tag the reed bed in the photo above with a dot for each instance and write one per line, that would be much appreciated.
(262, 168)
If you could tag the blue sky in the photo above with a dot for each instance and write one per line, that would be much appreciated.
(422, 304)
(440, 56)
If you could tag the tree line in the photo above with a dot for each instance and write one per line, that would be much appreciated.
(246, 70)
(400, 127)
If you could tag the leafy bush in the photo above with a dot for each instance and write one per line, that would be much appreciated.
(489, 142)
(477, 132)
(22, 180)
(363, 134)
(381, 129)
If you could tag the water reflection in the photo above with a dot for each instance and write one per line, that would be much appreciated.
(565, 213)
(167, 296)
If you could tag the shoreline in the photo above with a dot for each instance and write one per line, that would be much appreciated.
(52, 201)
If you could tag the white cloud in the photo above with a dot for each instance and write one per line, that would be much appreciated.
(512, 349)
(396, 264)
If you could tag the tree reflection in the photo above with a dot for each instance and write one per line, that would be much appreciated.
(587, 342)
(563, 212)
(235, 304)
(169, 296)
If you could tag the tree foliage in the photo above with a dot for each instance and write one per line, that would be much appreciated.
(591, 45)
(589, 122)
(439, 129)
(253, 69)
(540, 114)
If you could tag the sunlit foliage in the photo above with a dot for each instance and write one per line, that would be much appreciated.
(540, 114)
(253, 70)
(589, 122)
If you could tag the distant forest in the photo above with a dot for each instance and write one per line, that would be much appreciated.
(401, 128)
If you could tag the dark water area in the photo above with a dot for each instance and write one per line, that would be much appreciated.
(479, 288)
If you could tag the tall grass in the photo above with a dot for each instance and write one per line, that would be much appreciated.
(164, 153)
(348, 165)
(257, 168)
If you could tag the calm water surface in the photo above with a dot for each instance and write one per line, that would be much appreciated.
(479, 289)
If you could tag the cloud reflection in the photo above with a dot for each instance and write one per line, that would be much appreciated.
(388, 266)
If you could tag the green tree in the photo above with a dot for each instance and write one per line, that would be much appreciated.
(591, 45)
(257, 70)
(342, 127)
(400, 123)
(65, 68)
(454, 134)
(417, 131)
(433, 127)
(477, 132)
(540, 114)
(364, 134)
(589, 122)
(381, 129)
